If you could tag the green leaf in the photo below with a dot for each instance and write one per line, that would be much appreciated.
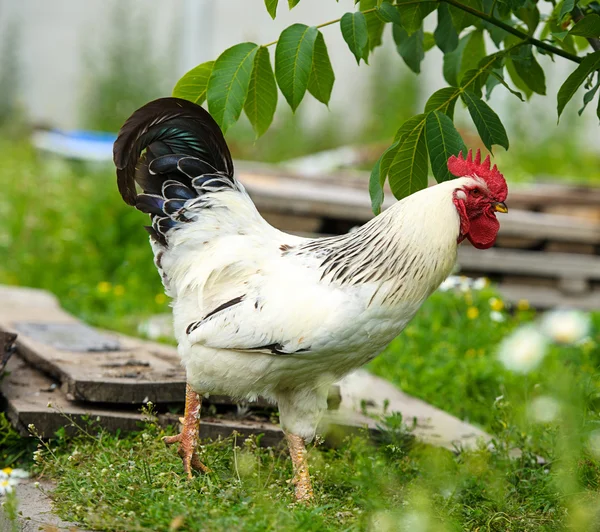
(442, 141)
(376, 188)
(410, 47)
(461, 18)
(381, 168)
(261, 101)
(474, 79)
(445, 35)
(497, 75)
(408, 170)
(565, 8)
(519, 83)
(404, 162)
(293, 61)
(529, 70)
(271, 6)
(374, 23)
(228, 83)
(452, 61)
(590, 63)
(355, 33)
(428, 41)
(589, 96)
(293, 3)
(192, 85)
(486, 121)
(493, 81)
(513, 5)
(588, 26)
(473, 52)
(320, 81)
(443, 100)
(389, 13)
(529, 14)
(412, 14)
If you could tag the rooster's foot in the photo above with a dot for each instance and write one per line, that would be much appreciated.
(188, 437)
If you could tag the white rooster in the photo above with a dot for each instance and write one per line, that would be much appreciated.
(261, 312)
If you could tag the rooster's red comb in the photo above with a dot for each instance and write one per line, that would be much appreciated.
(461, 167)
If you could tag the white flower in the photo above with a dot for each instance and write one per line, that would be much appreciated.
(480, 283)
(6, 486)
(497, 316)
(465, 284)
(450, 283)
(544, 409)
(9, 478)
(566, 326)
(523, 350)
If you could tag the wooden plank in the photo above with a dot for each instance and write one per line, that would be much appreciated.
(534, 263)
(138, 371)
(544, 297)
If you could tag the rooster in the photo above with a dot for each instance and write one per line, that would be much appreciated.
(258, 311)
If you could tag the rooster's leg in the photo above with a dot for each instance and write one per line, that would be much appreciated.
(188, 437)
(303, 487)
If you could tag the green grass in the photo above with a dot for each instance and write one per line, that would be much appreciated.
(135, 483)
(65, 229)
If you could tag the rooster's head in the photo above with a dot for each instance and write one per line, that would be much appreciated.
(479, 200)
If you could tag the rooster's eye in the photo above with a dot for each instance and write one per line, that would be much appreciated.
(475, 192)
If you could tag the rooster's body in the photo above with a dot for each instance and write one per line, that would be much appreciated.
(261, 312)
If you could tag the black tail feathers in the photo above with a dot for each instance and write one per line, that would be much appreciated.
(181, 141)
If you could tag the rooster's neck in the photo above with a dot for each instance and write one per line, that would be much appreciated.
(406, 252)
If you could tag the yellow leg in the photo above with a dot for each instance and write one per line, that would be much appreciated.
(188, 437)
(303, 486)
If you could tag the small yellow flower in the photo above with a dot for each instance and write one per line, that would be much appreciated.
(104, 287)
(472, 313)
(523, 304)
(470, 353)
(7, 470)
(160, 299)
(119, 290)
(496, 304)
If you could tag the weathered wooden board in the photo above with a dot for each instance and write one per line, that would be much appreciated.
(136, 372)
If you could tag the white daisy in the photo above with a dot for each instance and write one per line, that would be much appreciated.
(9, 478)
(523, 350)
(497, 316)
(566, 326)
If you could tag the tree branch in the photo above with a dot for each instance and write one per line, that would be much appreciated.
(518, 33)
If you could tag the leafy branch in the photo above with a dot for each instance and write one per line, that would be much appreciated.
(242, 78)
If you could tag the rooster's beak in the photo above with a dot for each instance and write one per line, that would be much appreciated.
(500, 206)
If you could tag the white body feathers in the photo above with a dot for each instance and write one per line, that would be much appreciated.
(261, 312)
